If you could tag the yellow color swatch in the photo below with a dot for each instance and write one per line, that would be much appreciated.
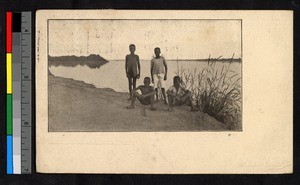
(9, 73)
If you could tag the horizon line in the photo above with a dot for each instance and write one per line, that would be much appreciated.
(183, 59)
(186, 59)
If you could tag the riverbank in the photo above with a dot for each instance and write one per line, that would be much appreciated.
(77, 106)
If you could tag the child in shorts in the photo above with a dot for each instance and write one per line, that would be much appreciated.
(158, 72)
(132, 69)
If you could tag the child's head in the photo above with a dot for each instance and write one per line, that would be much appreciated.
(157, 51)
(132, 48)
(147, 81)
(176, 81)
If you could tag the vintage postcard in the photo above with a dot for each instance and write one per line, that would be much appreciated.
(164, 91)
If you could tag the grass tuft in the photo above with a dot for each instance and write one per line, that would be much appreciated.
(215, 91)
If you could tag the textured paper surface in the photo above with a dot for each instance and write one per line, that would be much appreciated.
(264, 146)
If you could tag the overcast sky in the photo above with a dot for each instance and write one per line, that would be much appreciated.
(183, 39)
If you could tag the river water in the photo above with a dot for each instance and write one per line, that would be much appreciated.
(112, 75)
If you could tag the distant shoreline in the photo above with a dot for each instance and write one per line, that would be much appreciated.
(92, 61)
(192, 60)
(55, 60)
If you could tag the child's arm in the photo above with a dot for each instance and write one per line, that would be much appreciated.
(151, 71)
(139, 67)
(185, 90)
(187, 94)
(126, 65)
(152, 93)
(166, 69)
(170, 93)
(138, 88)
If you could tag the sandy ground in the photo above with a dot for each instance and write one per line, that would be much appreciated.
(77, 106)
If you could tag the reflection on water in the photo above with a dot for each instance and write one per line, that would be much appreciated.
(112, 75)
(92, 61)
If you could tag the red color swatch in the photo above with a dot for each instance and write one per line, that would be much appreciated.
(8, 32)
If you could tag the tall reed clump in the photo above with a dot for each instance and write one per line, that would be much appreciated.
(215, 91)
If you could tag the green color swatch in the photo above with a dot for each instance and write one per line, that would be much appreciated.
(9, 112)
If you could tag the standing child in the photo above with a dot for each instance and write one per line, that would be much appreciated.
(158, 72)
(132, 68)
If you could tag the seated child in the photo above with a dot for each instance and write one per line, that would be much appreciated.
(147, 96)
(178, 95)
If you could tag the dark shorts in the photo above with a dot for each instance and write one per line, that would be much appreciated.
(179, 103)
(131, 74)
(145, 101)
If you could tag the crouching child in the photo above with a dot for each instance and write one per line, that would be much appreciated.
(147, 96)
(178, 95)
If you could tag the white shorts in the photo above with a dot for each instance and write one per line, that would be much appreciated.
(159, 80)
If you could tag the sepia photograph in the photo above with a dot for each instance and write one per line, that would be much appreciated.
(164, 92)
(144, 75)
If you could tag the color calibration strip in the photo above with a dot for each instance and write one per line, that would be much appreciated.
(18, 66)
(9, 113)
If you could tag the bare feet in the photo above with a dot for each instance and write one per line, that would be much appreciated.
(193, 109)
(130, 107)
(170, 109)
(152, 108)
